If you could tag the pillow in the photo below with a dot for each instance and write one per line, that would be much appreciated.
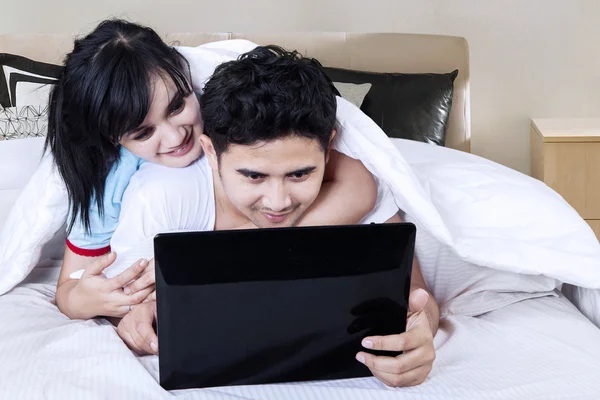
(23, 122)
(34, 228)
(18, 161)
(354, 93)
(24, 93)
(408, 106)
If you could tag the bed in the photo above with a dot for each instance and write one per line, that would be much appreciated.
(539, 346)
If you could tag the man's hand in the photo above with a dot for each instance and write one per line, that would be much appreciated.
(101, 296)
(414, 365)
(136, 329)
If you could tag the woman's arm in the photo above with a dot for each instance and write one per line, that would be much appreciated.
(348, 193)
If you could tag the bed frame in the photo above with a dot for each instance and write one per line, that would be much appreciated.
(378, 52)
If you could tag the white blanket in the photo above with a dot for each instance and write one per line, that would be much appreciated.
(537, 349)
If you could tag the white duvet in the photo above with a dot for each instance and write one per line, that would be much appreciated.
(470, 213)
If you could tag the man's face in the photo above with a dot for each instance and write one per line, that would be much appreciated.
(273, 183)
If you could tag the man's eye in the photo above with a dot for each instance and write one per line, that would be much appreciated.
(298, 176)
(254, 177)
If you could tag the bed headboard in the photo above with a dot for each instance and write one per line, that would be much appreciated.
(378, 52)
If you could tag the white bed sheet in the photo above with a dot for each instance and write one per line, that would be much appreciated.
(540, 348)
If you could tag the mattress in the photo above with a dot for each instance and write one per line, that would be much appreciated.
(541, 348)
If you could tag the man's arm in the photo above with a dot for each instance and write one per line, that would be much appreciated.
(416, 361)
(431, 308)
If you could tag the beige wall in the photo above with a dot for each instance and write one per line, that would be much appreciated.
(537, 58)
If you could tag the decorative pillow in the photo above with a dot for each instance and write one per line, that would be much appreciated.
(23, 122)
(354, 93)
(407, 106)
(24, 92)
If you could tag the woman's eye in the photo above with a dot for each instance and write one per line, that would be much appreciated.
(145, 134)
(254, 177)
(177, 106)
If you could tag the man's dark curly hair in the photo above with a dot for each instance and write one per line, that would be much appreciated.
(267, 94)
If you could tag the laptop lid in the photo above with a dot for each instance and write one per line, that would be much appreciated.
(277, 305)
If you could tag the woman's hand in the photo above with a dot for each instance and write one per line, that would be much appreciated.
(95, 295)
(145, 281)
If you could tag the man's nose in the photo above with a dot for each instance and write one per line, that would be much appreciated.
(277, 197)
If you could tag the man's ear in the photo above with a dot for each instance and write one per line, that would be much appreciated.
(209, 149)
(333, 132)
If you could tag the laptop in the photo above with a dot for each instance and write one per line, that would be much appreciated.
(276, 305)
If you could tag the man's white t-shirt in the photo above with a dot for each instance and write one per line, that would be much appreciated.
(160, 199)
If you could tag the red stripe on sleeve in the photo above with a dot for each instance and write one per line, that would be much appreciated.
(88, 252)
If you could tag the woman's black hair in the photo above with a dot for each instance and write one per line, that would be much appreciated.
(105, 91)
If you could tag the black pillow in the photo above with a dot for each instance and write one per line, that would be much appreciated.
(407, 106)
(17, 69)
(25, 83)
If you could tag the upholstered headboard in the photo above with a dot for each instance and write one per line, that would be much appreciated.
(377, 52)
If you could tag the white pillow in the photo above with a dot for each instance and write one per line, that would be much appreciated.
(34, 227)
(353, 92)
(18, 160)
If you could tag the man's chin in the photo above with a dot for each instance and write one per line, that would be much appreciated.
(262, 222)
(265, 225)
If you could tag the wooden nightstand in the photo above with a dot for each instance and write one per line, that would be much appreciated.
(565, 154)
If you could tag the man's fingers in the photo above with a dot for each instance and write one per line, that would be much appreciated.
(129, 274)
(140, 341)
(149, 337)
(417, 300)
(99, 265)
(406, 341)
(400, 364)
(411, 378)
(128, 339)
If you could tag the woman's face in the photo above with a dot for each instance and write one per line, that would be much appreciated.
(170, 133)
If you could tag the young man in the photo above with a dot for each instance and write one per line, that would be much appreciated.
(269, 122)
